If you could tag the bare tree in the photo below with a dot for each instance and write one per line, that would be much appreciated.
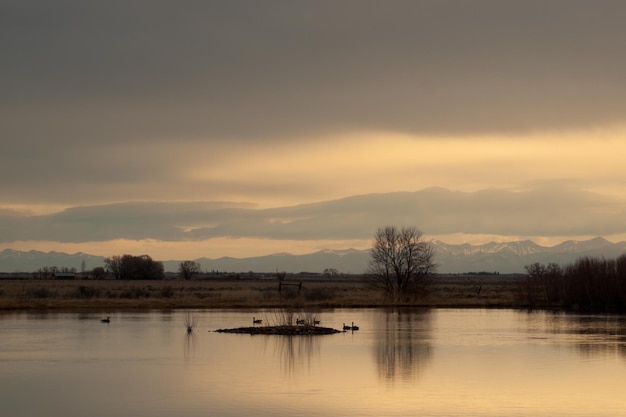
(114, 266)
(188, 269)
(401, 261)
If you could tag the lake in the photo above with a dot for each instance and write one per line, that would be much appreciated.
(439, 362)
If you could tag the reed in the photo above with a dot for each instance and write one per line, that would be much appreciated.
(190, 322)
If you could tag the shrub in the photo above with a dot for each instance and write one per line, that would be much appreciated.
(318, 294)
(167, 292)
(134, 293)
(86, 292)
(39, 292)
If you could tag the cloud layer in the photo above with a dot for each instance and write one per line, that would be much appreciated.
(249, 70)
(537, 212)
(297, 121)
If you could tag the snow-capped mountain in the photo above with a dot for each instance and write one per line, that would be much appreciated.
(502, 257)
(511, 257)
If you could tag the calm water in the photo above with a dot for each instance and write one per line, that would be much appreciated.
(427, 363)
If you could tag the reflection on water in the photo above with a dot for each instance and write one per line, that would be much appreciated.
(294, 353)
(590, 335)
(440, 362)
(402, 343)
(191, 344)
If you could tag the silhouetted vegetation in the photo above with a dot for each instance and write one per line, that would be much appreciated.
(39, 292)
(588, 284)
(134, 267)
(98, 273)
(190, 322)
(167, 292)
(50, 272)
(187, 269)
(401, 262)
(86, 292)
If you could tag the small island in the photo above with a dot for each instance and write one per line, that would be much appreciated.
(285, 330)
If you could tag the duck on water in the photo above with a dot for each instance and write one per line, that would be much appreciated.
(353, 327)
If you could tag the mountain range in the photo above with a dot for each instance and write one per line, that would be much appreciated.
(505, 258)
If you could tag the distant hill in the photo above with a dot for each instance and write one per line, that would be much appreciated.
(505, 258)
(511, 257)
(30, 261)
(349, 261)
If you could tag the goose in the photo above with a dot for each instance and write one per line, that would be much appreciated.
(256, 321)
(300, 321)
(107, 320)
(354, 327)
(346, 327)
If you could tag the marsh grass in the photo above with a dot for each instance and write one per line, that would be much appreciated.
(448, 291)
(190, 322)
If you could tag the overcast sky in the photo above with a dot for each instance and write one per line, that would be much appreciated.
(182, 129)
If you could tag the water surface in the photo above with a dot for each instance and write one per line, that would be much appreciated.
(440, 362)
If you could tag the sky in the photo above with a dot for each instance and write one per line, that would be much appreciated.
(186, 129)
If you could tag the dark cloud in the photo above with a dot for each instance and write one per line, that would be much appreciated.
(150, 70)
(110, 101)
(549, 211)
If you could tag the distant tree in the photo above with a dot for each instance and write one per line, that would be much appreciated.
(134, 267)
(590, 284)
(42, 273)
(280, 276)
(114, 266)
(536, 270)
(141, 267)
(98, 273)
(331, 272)
(401, 262)
(188, 269)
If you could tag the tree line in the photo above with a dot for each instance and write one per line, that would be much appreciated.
(587, 284)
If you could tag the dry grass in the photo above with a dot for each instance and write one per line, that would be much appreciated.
(448, 291)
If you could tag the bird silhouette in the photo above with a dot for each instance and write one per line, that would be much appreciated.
(107, 320)
(256, 321)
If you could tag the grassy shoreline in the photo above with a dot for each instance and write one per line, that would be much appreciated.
(446, 291)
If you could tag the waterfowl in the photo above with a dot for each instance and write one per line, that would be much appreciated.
(256, 321)
(316, 322)
(353, 327)
(300, 321)
(107, 320)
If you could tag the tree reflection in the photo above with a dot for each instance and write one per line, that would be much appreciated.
(295, 352)
(591, 335)
(190, 346)
(402, 348)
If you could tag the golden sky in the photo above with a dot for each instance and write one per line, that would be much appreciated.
(249, 128)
